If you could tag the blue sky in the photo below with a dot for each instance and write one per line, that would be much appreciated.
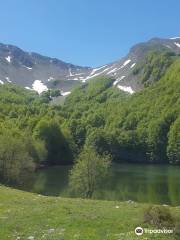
(86, 32)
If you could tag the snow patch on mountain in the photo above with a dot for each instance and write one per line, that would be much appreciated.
(50, 79)
(39, 87)
(28, 88)
(97, 69)
(133, 65)
(126, 89)
(125, 63)
(70, 73)
(96, 74)
(78, 74)
(174, 38)
(29, 68)
(121, 78)
(8, 59)
(65, 93)
(1, 82)
(177, 44)
(167, 46)
(112, 71)
(73, 75)
(118, 80)
(8, 80)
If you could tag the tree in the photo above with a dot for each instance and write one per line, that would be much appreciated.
(98, 139)
(55, 92)
(15, 160)
(59, 150)
(88, 172)
(173, 149)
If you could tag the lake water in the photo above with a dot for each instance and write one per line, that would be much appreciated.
(142, 183)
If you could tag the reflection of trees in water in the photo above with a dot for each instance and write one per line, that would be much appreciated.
(174, 185)
(157, 186)
(142, 183)
(125, 183)
(51, 181)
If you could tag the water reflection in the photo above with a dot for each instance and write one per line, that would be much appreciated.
(141, 183)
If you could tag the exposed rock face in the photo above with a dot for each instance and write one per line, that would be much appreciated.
(38, 72)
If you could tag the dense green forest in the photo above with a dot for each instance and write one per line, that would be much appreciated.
(153, 66)
(30, 133)
(143, 127)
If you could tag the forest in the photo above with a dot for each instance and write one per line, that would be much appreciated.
(143, 127)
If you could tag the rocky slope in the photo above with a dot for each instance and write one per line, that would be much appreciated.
(122, 70)
(34, 71)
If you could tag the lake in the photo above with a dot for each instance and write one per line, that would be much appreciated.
(142, 183)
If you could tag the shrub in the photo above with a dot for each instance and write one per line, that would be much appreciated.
(177, 230)
(159, 216)
(15, 160)
(89, 172)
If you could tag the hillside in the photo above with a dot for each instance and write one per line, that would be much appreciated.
(139, 128)
(143, 127)
(30, 216)
(40, 73)
(30, 133)
(34, 71)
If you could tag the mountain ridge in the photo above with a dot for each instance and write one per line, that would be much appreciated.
(40, 73)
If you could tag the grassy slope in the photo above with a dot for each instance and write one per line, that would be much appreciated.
(25, 214)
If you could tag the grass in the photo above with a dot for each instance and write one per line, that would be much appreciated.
(26, 215)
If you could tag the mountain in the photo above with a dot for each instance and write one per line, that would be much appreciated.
(34, 71)
(122, 70)
(143, 127)
(38, 72)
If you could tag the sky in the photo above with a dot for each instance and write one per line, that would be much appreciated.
(86, 32)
